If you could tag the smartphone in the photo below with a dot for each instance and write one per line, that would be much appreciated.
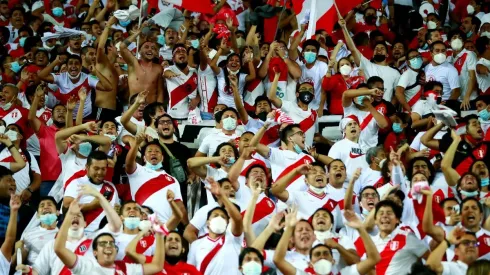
(108, 195)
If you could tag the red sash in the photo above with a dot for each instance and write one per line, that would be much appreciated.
(211, 254)
(92, 215)
(64, 97)
(263, 208)
(152, 186)
(366, 121)
(460, 62)
(120, 267)
(415, 98)
(393, 246)
(306, 159)
(80, 251)
(308, 122)
(75, 176)
(145, 243)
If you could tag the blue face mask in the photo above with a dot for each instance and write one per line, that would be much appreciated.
(416, 63)
(297, 149)
(153, 167)
(425, 46)
(85, 148)
(360, 99)
(124, 23)
(132, 222)
(469, 194)
(484, 114)
(231, 161)
(48, 219)
(397, 128)
(195, 43)
(485, 182)
(124, 67)
(22, 41)
(161, 39)
(57, 11)
(15, 67)
(469, 34)
(310, 57)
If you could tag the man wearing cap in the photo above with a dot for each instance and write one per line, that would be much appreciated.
(143, 74)
(348, 149)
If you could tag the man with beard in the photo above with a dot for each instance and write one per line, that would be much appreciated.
(72, 81)
(399, 58)
(379, 66)
(105, 60)
(181, 85)
(143, 74)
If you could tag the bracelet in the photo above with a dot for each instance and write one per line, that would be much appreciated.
(29, 189)
(10, 147)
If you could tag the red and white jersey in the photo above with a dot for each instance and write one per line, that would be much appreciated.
(44, 114)
(200, 218)
(216, 257)
(285, 161)
(368, 177)
(212, 141)
(253, 89)
(398, 251)
(181, 90)
(299, 261)
(89, 265)
(418, 146)
(464, 62)
(441, 190)
(72, 166)
(17, 115)
(67, 89)
(484, 240)
(444, 73)
(225, 94)
(307, 120)
(150, 188)
(348, 270)
(337, 196)
(408, 79)
(351, 155)
(271, 135)
(107, 189)
(145, 246)
(483, 80)
(4, 264)
(315, 76)
(264, 210)
(369, 126)
(22, 177)
(35, 239)
(207, 89)
(345, 242)
(308, 202)
(255, 160)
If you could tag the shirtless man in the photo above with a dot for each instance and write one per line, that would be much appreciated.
(143, 75)
(106, 58)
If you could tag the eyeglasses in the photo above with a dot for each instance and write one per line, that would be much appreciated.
(107, 243)
(369, 195)
(300, 133)
(470, 243)
(165, 122)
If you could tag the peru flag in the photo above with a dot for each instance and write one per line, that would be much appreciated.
(194, 5)
(323, 14)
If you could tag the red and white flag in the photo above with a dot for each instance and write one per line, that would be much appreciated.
(323, 14)
(202, 6)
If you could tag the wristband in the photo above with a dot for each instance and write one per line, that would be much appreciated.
(10, 147)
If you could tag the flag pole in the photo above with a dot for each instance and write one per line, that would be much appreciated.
(139, 26)
(312, 23)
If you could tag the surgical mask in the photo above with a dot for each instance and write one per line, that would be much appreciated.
(470, 9)
(252, 268)
(448, 220)
(217, 225)
(132, 222)
(379, 57)
(484, 114)
(317, 190)
(440, 58)
(57, 12)
(22, 41)
(112, 137)
(48, 219)
(233, 72)
(456, 44)
(365, 212)
(75, 234)
(262, 116)
(7, 106)
(345, 69)
(48, 48)
(469, 34)
(124, 67)
(310, 57)
(15, 67)
(485, 33)
(380, 163)
(161, 39)
(85, 148)
(230, 162)
(416, 63)
(431, 25)
(469, 194)
(12, 135)
(74, 77)
(297, 149)
(360, 99)
(397, 128)
(484, 182)
(195, 43)
(153, 167)
(144, 225)
(305, 97)
(323, 267)
(229, 123)
(124, 24)
(324, 235)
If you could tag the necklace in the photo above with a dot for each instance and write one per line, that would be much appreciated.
(143, 67)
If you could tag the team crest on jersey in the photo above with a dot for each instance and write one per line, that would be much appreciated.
(394, 245)
(82, 248)
(381, 109)
(307, 161)
(168, 178)
(486, 241)
(269, 203)
(143, 243)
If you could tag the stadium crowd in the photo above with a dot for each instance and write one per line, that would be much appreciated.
(188, 137)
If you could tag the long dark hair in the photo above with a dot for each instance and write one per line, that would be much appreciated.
(225, 69)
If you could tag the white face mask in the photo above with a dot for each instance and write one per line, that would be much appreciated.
(48, 48)
(440, 58)
(345, 69)
(252, 268)
(75, 234)
(470, 9)
(456, 44)
(233, 72)
(74, 77)
(229, 123)
(322, 236)
(112, 137)
(317, 190)
(217, 225)
(431, 25)
(144, 225)
(7, 105)
(487, 34)
(323, 267)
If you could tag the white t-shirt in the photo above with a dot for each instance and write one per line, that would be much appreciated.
(369, 135)
(483, 80)
(71, 164)
(200, 218)
(181, 90)
(389, 75)
(308, 202)
(35, 239)
(212, 141)
(88, 265)
(454, 268)
(4, 265)
(22, 177)
(349, 270)
(351, 155)
(464, 62)
(123, 132)
(225, 94)
(315, 76)
(207, 89)
(68, 89)
(123, 239)
(299, 261)
(408, 78)
(444, 73)
(369, 177)
(285, 161)
(307, 120)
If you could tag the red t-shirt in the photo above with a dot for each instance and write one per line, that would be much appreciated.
(180, 268)
(335, 86)
(50, 165)
(17, 115)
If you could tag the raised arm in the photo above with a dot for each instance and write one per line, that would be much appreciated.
(233, 213)
(126, 54)
(348, 95)
(45, 74)
(198, 164)
(156, 264)
(177, 214)
(33, 120)
(434, 261)
(133, 152)
(82, 95)
(275, 225)
(279, 187)
(350, 43)
(264, 67)
(255, 142)
(126, 116)
(251, 69)
(280, 254)
(428, 140)
(350, 190)
(10, 234)
(67, 257)
(113, 219)
(436, 232)
(238, 99)
(293, 49)
(236, 168)
(19, 161)
(277, 102)
(103, 141)
(380, 119)
(249, 214)
(131, 248)
(62, 135)
(451, 175)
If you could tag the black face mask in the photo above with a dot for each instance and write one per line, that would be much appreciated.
(262, 116)
(58, 124)
(379, 57)
(182, 65)
(172, 260)
(305, 97)
(370, 19)
(439, 100)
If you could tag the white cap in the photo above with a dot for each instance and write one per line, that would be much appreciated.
(37, 5)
